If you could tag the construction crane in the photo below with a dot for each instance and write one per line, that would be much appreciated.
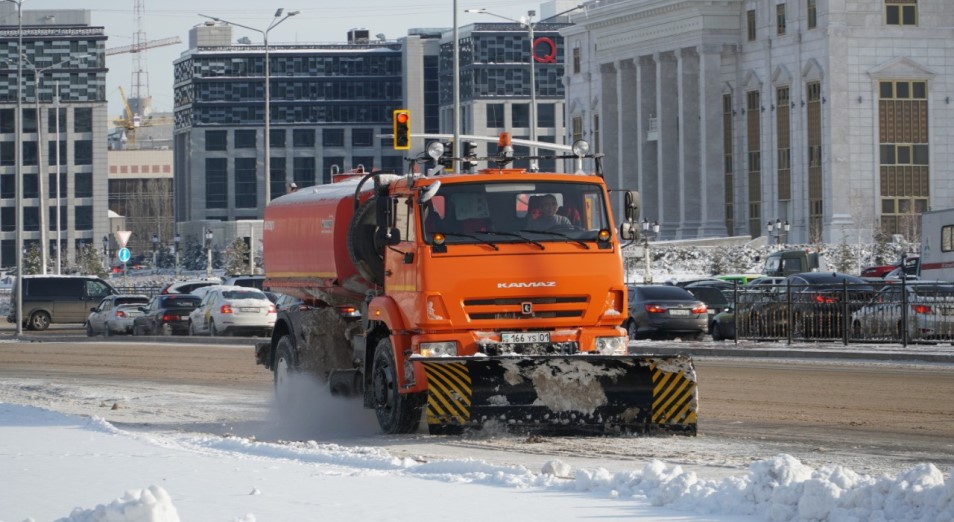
(140, 100)
(136, 48)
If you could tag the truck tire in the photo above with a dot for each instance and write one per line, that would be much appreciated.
(285, 368)
(396, 412)
(39, 321)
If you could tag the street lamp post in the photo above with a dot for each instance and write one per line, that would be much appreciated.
(106, 250)
(208, 244)
(526, 22)
(59, 244)
(19, 166)
(177, 240)
(155, 251)
(268, 115)
(777, 229)
(648, 228)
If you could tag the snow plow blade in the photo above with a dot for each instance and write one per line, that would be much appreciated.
(578, 393)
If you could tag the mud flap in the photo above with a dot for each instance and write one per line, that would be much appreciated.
(578, 393)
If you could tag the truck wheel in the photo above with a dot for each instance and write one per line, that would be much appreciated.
(631, 329)
(39, 321)
(284, 369)
(89, 330)
(397, 413)
(717, 332)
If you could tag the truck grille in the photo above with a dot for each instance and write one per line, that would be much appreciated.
(544, 307)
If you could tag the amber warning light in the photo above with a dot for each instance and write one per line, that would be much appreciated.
(402, 129)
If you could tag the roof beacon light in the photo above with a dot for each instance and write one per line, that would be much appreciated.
(505, 144)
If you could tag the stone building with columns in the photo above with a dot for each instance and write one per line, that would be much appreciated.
(727, 115)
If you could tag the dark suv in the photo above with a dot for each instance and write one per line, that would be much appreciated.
(166, 314)
(58, 299)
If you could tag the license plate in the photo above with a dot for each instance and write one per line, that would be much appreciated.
(248, 309)
(525, 337)
(679, 312)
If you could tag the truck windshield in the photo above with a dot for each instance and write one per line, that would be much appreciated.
(516, 212)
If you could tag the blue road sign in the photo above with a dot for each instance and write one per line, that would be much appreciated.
(123, 254)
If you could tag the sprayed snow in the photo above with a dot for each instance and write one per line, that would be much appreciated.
(563, 385)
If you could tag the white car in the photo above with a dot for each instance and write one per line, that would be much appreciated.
(231, 310)
(929, 312)
(115, 315)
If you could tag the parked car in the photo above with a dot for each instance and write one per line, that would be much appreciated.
(166, 314)
(723, 324)
(231, 310)
(289, 303)
(929, 312)
(910, 263)
(115, 314)
(665, 311)
(57, 299)
(742, 279)
(717, 298)
(250, 281)
(185, 287)
(818, 304)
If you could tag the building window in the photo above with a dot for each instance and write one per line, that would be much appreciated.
(278, 177)
(750, 24)
(901, 12)
(780, 19)
(728, 164)
(83, 152)
(303, 171)
(816, 210)
(577, 128)
(52, 124)
(83, 119)
(276, 138)
(546, 115)
(8, 155)
(596, 133)
(576, 59)
(362, 137)
(303, 138)
(83, 218)
(7, 121)
(753, 145)
(8, 219)
(246, 193)
(521, 115)
(29, 120)
(784, 151)
(216, 182)
(31, 155)
(332, 138)
(904, 156)
(216, 140)
(947, 238)
(245, 138)
(812, 14)
(495, 115)
(83, 185)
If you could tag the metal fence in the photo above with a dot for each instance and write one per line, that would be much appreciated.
(902, 311)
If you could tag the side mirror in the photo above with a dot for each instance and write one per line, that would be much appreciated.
(394, 236)
(628, 231)
(632, 203)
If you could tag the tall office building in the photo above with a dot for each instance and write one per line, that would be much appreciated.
(69, 55)
(728, 116)
(328, 103)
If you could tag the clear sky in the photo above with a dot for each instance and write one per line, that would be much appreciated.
(322, 21)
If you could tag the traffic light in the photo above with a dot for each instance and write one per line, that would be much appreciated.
(469, 155)
(447, 158)
(402, 129)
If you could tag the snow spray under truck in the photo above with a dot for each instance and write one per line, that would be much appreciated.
(439, 295)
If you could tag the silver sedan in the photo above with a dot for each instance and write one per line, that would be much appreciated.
(115, 314)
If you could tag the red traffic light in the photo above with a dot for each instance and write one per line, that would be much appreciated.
(402, 117)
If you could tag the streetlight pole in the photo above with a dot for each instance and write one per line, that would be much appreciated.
(19, 165)
(208, 244)
(268, 66)
(59, 244)
(526, 22)
(177, 240)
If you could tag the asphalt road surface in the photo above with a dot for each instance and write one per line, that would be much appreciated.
(872, 416)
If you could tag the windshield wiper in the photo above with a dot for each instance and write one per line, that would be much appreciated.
(475, 238)
(512, 234)
(559, 234)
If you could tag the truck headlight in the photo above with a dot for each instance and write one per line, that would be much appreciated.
(439, 349)
(612, 345)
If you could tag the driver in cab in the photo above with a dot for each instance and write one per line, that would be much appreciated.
(542, 213)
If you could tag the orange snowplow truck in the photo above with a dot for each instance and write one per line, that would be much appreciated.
(472, 299)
